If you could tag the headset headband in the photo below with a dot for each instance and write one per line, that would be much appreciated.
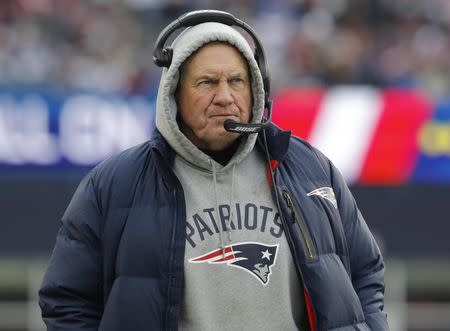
(162, 56)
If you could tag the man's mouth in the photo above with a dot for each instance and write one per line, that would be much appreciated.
(226, 115)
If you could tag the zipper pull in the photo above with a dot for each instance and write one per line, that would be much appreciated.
(290, 204)
(288, 199)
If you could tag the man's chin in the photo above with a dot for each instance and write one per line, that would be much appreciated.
(222, 139)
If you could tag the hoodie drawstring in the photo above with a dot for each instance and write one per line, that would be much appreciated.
(231, 203)
(222, 246)
(227, 226)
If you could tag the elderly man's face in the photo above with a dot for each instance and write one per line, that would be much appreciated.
(214, 87)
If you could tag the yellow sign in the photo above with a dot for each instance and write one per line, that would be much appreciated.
(434, 138)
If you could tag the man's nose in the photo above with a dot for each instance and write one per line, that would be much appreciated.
(224, 95)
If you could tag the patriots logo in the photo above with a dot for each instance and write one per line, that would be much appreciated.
(326, 193)
(255, 258)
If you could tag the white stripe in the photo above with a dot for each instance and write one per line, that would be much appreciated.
(220, 257)
(212, 259)
(345, 126)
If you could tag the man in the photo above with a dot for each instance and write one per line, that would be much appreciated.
(206, 229)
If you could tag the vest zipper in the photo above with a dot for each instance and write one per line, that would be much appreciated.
(172, 278)
(174, 298)
(297, 218)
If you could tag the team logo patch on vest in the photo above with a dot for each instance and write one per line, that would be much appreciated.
(255, 258)
(326, 193)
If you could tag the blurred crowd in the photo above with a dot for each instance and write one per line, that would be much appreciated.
(107, 45)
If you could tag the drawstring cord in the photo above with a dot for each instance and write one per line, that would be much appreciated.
(222, 245)
(227, 226)
(231, 203)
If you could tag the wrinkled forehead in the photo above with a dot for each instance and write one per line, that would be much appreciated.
(208, 56)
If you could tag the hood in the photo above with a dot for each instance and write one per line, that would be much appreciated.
(184, 45)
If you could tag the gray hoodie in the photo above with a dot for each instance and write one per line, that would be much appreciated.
(239, 272)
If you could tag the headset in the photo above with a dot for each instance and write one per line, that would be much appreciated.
(162, 57)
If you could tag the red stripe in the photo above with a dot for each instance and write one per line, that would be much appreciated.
(229, 257)
(296, 109)
(394, 148)
(211, 255)
(274, 165)
(310, 311)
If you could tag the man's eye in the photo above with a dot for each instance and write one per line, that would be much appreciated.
(237, 80)
(205, 82)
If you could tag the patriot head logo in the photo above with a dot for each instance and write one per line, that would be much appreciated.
(255, 258)
(326, 193)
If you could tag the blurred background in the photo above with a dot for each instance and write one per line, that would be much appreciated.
(366, 81)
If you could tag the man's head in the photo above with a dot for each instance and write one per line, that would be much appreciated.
(214, 86)
(184, 109)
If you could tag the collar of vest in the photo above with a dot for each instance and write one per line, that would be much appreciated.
(277, 143)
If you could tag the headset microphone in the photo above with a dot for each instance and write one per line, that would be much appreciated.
(248, 128)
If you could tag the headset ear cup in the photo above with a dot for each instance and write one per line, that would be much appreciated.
(167, 53)
(165, 57)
